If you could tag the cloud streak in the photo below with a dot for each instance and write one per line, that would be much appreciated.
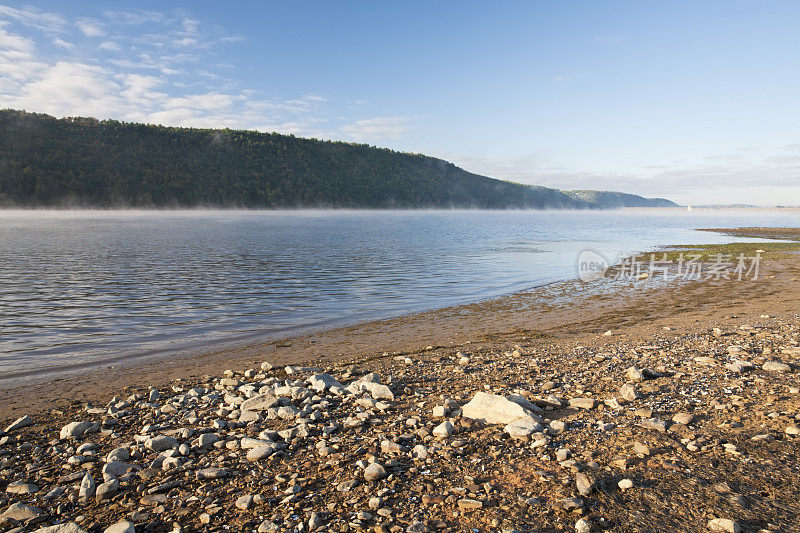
(153, 67)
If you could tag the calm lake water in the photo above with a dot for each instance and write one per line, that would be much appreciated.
(89, 286)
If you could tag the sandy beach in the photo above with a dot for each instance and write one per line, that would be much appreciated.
(640, 406)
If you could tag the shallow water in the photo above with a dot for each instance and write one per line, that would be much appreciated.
(88, 286)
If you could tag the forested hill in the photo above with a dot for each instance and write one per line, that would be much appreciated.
(613, 200)
(49, 162)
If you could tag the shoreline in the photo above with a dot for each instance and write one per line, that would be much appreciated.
(545, 309)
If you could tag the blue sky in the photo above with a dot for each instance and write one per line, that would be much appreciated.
(696, 101)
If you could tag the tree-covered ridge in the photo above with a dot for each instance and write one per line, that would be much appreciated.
(613, 200)
(46, 161)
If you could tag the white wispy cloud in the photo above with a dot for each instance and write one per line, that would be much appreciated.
(90, 27)
(377, 129)
(34, 18)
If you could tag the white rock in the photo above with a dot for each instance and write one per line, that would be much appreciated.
(121, 527)
(628, 392)
(445, 429)
(494, 409)
(261, 452)
(323, 382)
(583, 526)
(523, 428)
(420, 452)
(75, 429)
(774, 366)
(724, 525)
(262, 402)
(248, 443)
(244, 502)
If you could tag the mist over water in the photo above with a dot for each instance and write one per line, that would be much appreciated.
(92, 286)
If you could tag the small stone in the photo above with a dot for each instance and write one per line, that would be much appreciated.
(683, 418)
(268, 526)
(87, 488)
(420, 452)
(19, 423)
(315, 521)
(562, 454)
(625, 484)
(18, 487)
(724, 525)
(212, 473)
(523, 428)
(69, 527)
(582, 403)
(468, 504)
(374, 472)
(641, 449)
(121, 527)
(21, 512)
(583, 526)
(75, 429)
(244, 502)
(495, 409)
(584, 484)
(654, 423)
(260, 452)
(106, 490)
(634, 374)
(444, 430)
(161, 443)
(774, 366)
(628, 392)
(792, 430)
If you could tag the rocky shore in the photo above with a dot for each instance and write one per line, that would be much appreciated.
(685, 432)
(686, 421)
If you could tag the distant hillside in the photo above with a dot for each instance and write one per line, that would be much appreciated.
(614, 200)
(49, 162)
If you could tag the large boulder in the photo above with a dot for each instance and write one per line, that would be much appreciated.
(495, 409)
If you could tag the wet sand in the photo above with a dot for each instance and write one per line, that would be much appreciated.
(565, 313)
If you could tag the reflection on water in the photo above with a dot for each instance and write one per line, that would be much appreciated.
(87, 286)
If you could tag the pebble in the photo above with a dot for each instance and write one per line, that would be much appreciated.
(625, 484)
(374, 472)
(21, 422)
(445, 429)
(724, 525)
(121, 527)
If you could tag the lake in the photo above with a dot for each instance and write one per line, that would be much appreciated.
(81, 287)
